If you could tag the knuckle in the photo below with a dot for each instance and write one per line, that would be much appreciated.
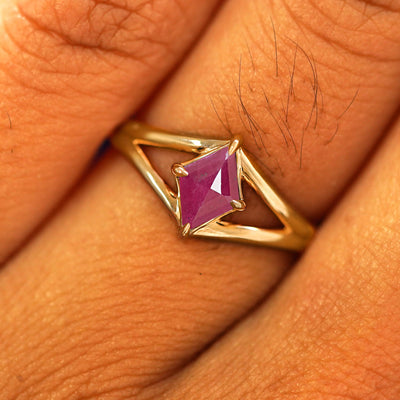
(51, 46)
(126, 28)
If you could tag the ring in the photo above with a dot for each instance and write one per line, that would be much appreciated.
(209, 187)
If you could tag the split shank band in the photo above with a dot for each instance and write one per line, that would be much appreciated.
(209, 187)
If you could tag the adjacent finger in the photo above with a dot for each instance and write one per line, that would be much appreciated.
(332, 329)
(126, 299)
(70, 72)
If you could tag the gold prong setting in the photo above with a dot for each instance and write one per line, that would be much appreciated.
(238, 205)
(185, 230)
(297, 231)
(235, 145)
(179, 170)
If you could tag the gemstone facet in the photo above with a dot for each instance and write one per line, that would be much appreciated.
(208, 189)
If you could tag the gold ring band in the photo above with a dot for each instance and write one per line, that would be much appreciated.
(209, 187)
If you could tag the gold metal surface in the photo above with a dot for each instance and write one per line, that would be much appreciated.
(234, 145)
(238, 205)
(186, 230)
(179, 170)
(296, 232)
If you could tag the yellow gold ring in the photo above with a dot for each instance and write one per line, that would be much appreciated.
(209, 187)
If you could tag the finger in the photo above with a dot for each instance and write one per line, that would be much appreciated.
(332, 329)
(170, 298)
(69, 72)
(312, 86)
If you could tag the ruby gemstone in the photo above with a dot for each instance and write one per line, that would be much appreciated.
(212, 183)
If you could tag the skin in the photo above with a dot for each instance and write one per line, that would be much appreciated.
(101, 299)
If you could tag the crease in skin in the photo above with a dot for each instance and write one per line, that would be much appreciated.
(82, 44)
(9, 120)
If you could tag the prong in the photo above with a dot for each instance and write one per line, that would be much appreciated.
(179, 170)
(238, 205)
(185, 230)
(235, 144)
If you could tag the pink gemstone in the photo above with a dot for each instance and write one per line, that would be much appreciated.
(206, 193)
